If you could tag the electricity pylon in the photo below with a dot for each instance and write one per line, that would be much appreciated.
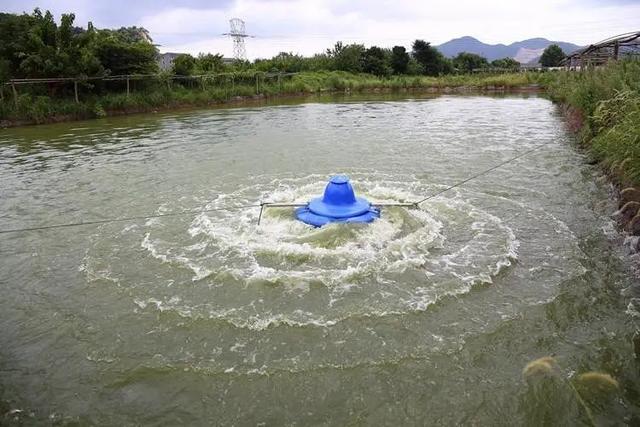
(238, 34)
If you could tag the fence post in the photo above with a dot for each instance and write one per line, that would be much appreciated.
(15, 95)
(127, 86)
(75, 90)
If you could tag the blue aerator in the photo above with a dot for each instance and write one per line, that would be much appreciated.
(338, 204)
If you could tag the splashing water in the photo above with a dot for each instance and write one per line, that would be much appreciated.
(210, 316)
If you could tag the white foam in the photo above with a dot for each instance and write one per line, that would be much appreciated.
(351, 262)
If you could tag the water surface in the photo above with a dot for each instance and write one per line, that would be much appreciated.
(426, 316)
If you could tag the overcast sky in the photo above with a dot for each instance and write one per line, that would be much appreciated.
(310, 26)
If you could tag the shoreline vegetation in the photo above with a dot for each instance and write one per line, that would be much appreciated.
(602, 106)
(53, 70)
(91, 73)
(29, 108)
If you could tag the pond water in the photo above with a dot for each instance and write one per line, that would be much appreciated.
(426, 316)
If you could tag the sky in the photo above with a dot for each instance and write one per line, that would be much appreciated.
(310, 26)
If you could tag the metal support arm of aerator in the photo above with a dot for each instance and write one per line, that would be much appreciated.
(298, 205)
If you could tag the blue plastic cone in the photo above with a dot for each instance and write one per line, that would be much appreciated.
(338, 204)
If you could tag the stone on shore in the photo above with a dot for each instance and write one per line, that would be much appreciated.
(630, 194)
(634, 225)
(626, 213)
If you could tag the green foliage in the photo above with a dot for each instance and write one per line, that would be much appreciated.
(183, 65)
(347, 58)
(467, 62)
(283, 62)
(399, 60)
(133, 35)
(552, 56)
(39, 109)
(609, 100)
(375, 61)
(5, 70)
(119, 55)
(209, 63)
(14, 35)
(414, 68)
(98, 111)
(432, 61)
(506, 63)
(35, 46)
(318, 62)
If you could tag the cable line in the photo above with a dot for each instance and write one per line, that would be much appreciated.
(123, 219)
(261, 205)
(458, 184)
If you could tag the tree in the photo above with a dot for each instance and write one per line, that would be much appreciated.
(14, 32)
(183, 65)
(39, 55)
(5, 71)
(209, 63)
(133, 34)
(414, 68)
(319, 61)
(506, 63)
(120, 55)
(35, 46)
(375, 61)
(552, 56)
(284, 61)
(399, 60)
(467, 62)
(347, 58)
(429, 57)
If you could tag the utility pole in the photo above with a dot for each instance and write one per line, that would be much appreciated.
(238, 34)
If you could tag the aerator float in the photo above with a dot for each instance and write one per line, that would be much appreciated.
(338, 204)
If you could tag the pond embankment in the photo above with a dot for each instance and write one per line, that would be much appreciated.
(602, 107)
(31, 107)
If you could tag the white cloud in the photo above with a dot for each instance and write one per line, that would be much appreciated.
(311, 26)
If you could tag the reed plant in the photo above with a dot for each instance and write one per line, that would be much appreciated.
(553, 399)
(32, 106)
(608, 99)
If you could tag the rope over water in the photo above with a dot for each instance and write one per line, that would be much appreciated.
(478, 174)
(262, 205)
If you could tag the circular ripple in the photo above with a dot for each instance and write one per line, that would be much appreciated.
(403, 262)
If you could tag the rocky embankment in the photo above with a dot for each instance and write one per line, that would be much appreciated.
(628, 217)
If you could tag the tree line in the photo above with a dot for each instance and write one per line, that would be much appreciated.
(35, 46)
(422, 59)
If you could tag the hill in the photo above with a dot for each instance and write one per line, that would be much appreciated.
(525, 51)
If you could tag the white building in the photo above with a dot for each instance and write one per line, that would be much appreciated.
(165, 60)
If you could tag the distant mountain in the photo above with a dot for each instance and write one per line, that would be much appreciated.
(525, 51)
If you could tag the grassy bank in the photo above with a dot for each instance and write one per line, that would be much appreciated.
(606, 103)
(38, 107)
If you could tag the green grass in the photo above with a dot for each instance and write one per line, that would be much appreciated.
(609, 100)
(38, 108)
